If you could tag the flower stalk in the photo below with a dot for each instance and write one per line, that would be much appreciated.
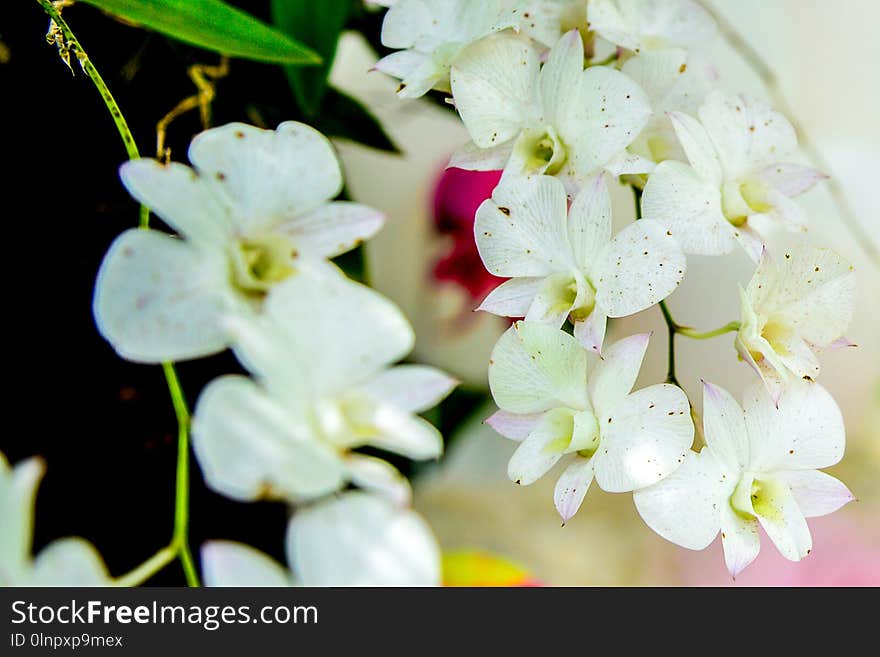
(61, 35)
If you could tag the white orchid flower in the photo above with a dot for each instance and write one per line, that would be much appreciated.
(737, 180)
(354, 539)
(322, 355)
(642, 25)
(559, 120)
(546, 21)
(64, 562)
(794, 305)
(563, 263)
(760, 466)
(562, 401)
(253, 211)
(429, 34)
(672, 85)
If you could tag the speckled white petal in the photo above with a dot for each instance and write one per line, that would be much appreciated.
(591, 331)
(589, 222)
(783, 521)
(651, 24)
(607, 111)
(513, 425)
(750, 240)
(535, 367)
(572, 487)
(627, 163)
(644, 439)
(724, 428)
(608, 21)
(332, 229)
(358, 539)
(560, 75)
(431, 74)
(553, 301)
(805, 432)
(69, 562)
(657, 72)
(689, 207)
(158, 298)
(791, 179)
(249, 447)
(401, 64)
(816, 493)
(413, 388)
(698, 147)
(176, 194)
(685, 507)
(492, 83)
(543, 447)
(811, 289)
(267, 176)
(797, 356)
(227, 563)
(740, 539)
(521, 230)
(404, 22)
(512, 298)
(748, 134)
(473, 158)
(641, 266)
(614, 376)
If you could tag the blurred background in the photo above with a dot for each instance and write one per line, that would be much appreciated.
(105, 427)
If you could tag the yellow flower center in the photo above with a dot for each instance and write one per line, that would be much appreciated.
(258, 264)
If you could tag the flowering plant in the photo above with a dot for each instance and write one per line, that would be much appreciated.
(568, 100)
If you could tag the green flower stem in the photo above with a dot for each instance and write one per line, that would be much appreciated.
(672, 331)
(72, 45)
(673, 327)
(688, 332)
(179, 546)
(148, 568)
(180, 539)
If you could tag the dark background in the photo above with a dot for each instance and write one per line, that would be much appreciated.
(105, 427)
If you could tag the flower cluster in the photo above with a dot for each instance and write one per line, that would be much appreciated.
(563, 96)
(248, 269)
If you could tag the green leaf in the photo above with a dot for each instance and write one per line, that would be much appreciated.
(213, 25)
(343, 116)
(317, 24)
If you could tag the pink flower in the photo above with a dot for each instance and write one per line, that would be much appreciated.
(457, 196)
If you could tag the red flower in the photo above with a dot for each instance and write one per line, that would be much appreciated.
(457, 196)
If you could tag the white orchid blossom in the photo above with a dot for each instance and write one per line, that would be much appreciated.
(642, 25)
(354, 539)
(737, 180)
(562, 401)
(546, 21)
(429, 34)
(322, 355)
(760, 467)
(563, 263)
(672, 84)
(559, 120)
(796, 303)
(252, 212)
(64, 562)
